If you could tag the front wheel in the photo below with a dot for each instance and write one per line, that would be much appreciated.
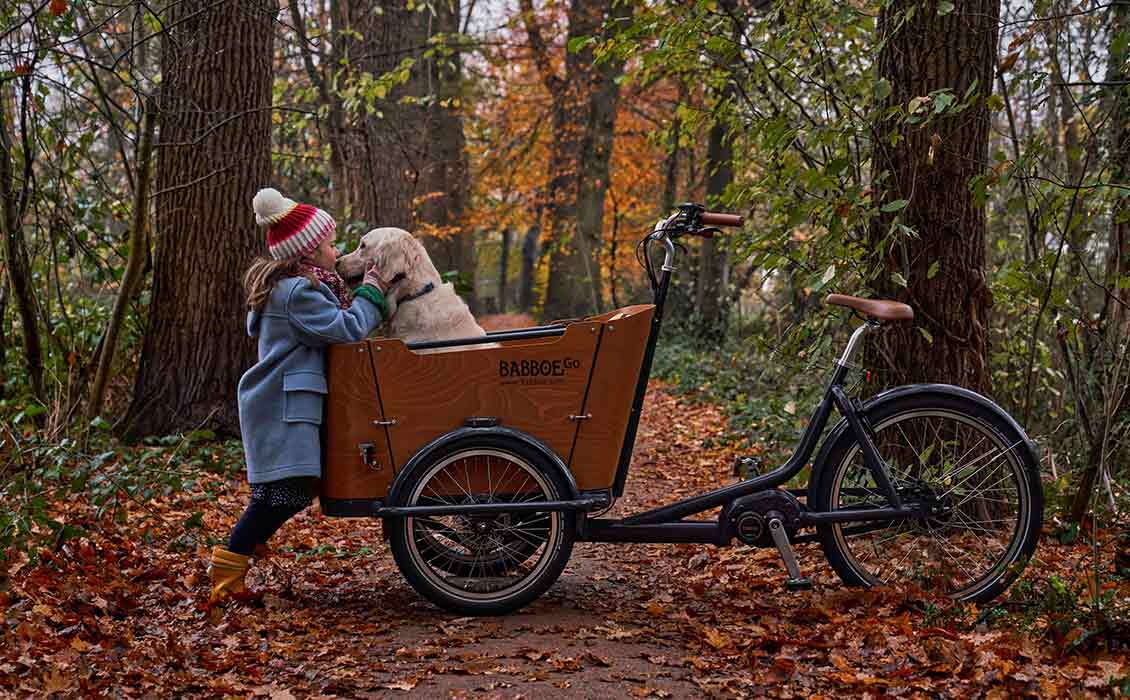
(971, 470)
(488, 564)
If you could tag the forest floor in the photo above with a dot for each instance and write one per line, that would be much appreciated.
(121, 612)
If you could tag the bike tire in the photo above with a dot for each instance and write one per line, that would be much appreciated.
(450, 585)
(952, 539)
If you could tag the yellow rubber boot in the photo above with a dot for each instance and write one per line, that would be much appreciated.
(228, 572)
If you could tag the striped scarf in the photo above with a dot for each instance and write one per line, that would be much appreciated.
(333, 281)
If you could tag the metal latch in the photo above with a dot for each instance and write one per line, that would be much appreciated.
(385, 421)
(583, 416)
(367, 459)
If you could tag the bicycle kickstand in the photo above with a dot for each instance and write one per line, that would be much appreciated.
(795, 582)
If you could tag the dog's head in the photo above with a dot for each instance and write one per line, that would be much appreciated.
(395, 252)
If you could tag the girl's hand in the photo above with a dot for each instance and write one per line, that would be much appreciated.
(373, 277)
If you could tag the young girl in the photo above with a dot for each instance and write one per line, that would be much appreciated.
(298, 306)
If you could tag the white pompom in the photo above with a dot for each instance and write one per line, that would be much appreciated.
(270, 206)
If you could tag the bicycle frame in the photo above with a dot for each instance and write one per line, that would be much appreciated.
(666, 524)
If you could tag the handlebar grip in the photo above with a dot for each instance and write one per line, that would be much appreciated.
(710, 218)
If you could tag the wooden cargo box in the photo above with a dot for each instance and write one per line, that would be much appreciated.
(573, 392)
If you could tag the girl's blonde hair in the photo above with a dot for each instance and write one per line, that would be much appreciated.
(265, 273)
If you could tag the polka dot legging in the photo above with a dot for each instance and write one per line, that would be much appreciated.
(272, 504)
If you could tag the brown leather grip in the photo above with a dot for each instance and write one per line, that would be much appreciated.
(710, 218)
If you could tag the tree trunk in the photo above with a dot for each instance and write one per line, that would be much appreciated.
(1116, 305)
(671, 162)
(584, 106)
(131, 279)
(3, 321)
(215, 139)
(504, 268)
(931, 168)
(443, 186)
(1118, 250)
(405, 165)
(708, 291)
(529, 264)
(335, 123)
(12, 204)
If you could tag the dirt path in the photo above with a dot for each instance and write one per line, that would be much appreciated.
(579, 640)
(120, 613)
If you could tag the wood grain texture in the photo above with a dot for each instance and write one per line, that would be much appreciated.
(618, 361)
(351, 407)
(429, 395)
(533, 386)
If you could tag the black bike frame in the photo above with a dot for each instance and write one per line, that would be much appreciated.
(665, 524)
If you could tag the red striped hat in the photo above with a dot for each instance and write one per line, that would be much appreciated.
(293, 229)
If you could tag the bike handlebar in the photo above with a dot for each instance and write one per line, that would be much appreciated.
(712, 218)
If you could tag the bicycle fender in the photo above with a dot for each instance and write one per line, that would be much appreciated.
(395, 496)
(922, 390)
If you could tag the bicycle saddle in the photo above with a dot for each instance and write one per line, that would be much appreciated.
(882, 309)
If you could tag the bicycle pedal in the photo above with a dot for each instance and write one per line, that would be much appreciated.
(798, 584)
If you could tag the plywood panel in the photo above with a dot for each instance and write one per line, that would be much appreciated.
(532, 387)
(351, 407)
(618, 362)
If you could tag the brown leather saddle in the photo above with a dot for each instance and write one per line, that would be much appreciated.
(882, 309)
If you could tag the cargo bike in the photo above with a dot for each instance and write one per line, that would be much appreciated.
(488, 458)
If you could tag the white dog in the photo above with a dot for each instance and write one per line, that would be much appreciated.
(422, 307)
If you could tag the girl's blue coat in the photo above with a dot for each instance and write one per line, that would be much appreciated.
(281, 397)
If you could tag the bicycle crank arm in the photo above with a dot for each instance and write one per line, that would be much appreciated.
(795, 582)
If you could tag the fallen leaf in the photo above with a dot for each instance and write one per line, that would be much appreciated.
(56, 682)
(79, 645)
(406, 684)
(597, 659)
(716, 639)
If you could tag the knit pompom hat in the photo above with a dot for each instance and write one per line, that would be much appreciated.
(293, 229)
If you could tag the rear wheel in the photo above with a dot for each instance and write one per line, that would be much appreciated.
(975, 474)
(483, 564)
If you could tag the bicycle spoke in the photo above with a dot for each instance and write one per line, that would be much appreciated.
(963, 474)
(483, 555)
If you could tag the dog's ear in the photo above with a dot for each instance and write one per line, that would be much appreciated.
(392, 255)
(419, 253)
(422, 262)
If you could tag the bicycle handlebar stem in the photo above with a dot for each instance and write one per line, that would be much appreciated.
(669, 258)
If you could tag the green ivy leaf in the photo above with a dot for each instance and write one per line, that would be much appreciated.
(926, 334)
(894, 206)
(579, 43)
(898, 279)
(882, 89)
(942, 100)
(944, 8)
(933, 271)
(194, 520)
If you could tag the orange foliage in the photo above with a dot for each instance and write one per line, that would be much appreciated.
(509, 137)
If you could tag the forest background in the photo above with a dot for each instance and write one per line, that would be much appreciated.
(969, 158)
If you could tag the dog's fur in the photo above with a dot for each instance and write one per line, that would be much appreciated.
(438, 315)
